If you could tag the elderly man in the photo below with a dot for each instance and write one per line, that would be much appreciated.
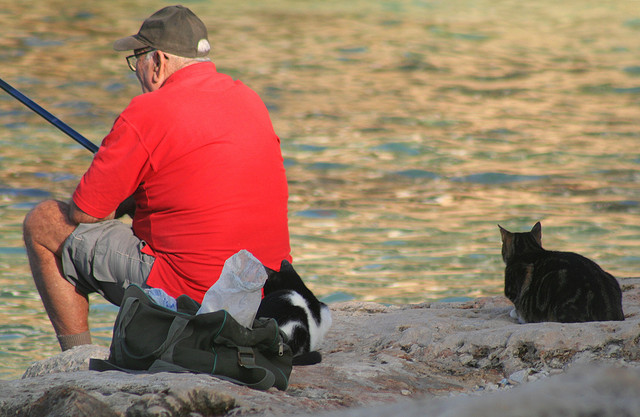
(194, 160)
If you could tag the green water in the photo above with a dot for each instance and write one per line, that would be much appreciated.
(409, 130)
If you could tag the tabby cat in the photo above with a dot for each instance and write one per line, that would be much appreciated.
(556, 286)
(301, 316)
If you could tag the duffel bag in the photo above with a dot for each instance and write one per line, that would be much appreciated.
(150, 338)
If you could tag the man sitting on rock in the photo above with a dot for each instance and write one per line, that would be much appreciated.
(194, 160)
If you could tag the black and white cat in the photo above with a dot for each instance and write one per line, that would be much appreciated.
(301, 316)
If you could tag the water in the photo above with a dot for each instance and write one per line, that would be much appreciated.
(409, 128)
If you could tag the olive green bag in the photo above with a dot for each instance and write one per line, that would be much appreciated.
(150, 338)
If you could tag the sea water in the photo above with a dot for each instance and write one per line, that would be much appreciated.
(409, 130)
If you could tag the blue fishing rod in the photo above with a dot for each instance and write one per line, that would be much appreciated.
(49, 117)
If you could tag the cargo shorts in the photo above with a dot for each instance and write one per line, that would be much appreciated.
(105, 257)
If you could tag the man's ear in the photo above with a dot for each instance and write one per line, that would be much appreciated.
(159, 67)
(156, 57)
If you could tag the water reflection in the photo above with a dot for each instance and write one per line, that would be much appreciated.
(409, 130)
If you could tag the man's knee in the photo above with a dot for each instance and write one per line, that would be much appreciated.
(47, 224)
(36, 219)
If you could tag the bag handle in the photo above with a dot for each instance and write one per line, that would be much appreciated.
(119, 332)
(176, 330)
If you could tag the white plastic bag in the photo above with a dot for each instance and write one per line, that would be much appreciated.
(239, 288)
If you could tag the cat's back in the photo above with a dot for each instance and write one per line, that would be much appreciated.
(567, 271)
(578, 287)
(569, 264)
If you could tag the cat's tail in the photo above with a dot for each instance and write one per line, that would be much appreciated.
(310, 358)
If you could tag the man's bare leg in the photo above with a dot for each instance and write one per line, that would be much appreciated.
(46, 228)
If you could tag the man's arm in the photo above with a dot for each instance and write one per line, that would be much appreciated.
(78, 216)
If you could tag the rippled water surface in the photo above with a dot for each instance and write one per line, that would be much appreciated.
(409, 128)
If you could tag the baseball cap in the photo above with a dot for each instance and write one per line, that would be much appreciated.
(173, 29)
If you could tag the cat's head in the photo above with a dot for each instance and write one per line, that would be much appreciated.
(519, 243)
(285, 279)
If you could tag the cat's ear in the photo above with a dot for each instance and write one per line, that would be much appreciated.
(504, 233)
(536, 231)
(507, 243)
(285, 266)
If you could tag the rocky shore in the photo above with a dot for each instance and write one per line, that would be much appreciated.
(438, 359)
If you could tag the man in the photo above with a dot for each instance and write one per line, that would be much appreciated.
(196, 162)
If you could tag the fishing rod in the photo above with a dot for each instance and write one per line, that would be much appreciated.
(49, 117)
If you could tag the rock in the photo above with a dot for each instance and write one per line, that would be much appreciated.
(373, 355)
(75, 359)
(593, 390)
(68, 401)
(132, 395)
(520, 376)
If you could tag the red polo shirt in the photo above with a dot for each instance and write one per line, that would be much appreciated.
(204, 165)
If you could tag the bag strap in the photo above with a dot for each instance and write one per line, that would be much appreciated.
(247, 359)
(129, 307)
(263, 384)
(175, 332)
(163, 366)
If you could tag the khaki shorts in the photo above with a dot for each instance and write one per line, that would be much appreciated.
(105, 257)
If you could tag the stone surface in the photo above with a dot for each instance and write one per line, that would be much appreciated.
(585, 391)
(76, 359)
(376, 355)
(68, 401)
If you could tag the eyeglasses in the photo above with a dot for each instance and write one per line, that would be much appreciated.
(132, 60)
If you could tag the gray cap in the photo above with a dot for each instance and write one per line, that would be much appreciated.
(173, 29)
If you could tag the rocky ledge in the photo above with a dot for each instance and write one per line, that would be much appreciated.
(438, 359)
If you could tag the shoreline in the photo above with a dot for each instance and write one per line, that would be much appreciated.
(373, 355)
